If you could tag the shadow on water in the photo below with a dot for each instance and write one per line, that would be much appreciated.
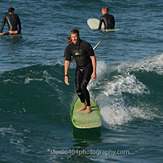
(86, 134)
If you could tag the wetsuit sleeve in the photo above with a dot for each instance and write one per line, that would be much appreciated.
(19, 23)
(113, 22)
(90, 50)
(67, 54)
(100, 24)
(3, 24)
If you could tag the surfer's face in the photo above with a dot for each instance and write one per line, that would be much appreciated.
(103, 12)
(75, 38)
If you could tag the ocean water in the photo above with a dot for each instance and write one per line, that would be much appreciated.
(35, 103)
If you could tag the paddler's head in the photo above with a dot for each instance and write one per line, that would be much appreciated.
(11, 10)
(75, 36)
(105, 10)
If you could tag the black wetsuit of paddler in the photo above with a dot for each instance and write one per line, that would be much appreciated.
(13, 21)
(108, 21)
(81, 53)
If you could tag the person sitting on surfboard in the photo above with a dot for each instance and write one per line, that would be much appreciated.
(13, 21)
(107, 19)
(85, 59)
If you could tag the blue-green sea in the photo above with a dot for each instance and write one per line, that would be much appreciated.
(35, 103)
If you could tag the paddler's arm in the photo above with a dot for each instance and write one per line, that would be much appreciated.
(100, 24)
(3, 24)
(67, 65)
(94, 66)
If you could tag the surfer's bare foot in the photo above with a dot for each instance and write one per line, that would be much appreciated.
(83, 107)
(88, 109)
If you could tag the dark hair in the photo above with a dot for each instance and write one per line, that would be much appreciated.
(11, 9)
(73, 31)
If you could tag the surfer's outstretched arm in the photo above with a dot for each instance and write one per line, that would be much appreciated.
(67, 65)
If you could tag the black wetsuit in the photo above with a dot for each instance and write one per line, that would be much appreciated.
(13, 21)
(81, 53)
(108, 21)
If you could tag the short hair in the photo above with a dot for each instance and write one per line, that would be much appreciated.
(74, 31)
(11, 9)
(106, 9)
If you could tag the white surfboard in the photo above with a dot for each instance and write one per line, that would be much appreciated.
(94, 24)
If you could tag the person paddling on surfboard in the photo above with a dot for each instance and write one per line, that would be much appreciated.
(13, 21)
(107, 19)
(85, 59)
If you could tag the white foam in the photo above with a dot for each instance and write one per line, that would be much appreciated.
(114, 111)
(101, 67)
(101, 70)
(110, 97)
(5, 130)
(28, 80)
(154, 64)
(127, 84)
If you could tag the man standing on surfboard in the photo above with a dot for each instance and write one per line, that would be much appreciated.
(107, 19)
(13, 21)
(85, 59)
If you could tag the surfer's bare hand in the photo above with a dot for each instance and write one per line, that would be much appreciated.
(66, 80)
(93, 76)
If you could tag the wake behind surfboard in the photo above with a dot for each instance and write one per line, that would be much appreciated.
(85, 121)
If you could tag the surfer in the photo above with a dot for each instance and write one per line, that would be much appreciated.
(13, 21)
(85, 59)
(107, 19)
